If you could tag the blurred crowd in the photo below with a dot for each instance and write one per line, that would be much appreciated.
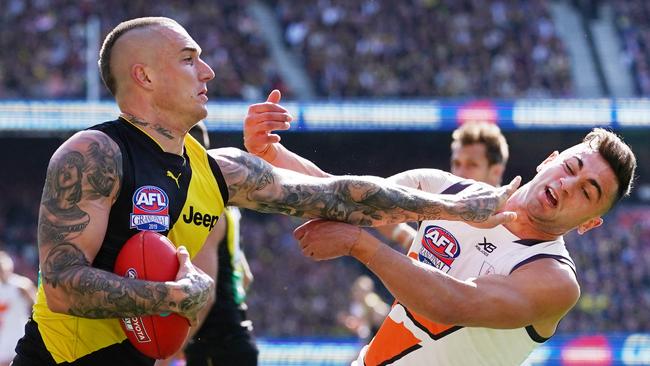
(360, 48)
(44, 43)
(293, 296)
(417, 48)
(632, 21)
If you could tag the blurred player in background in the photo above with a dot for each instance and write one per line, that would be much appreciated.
(468, 296)
(367, 310)
(17, 295)
(141, 172)
(225, 337)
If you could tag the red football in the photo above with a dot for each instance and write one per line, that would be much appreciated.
(150, 256)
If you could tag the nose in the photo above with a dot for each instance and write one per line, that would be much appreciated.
(567, 184)
(205, 71)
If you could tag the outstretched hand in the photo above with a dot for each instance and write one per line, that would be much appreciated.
(481, 208)
(261, 120)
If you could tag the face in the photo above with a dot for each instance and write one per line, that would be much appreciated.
(571, 190)
(181, 76)
(471, 162)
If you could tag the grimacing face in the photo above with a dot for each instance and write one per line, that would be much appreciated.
(572, 189)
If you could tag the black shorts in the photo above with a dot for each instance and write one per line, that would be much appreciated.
(237, 348)
(31, 351)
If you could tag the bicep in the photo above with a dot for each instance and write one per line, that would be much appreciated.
(539, 291)
(82, 181)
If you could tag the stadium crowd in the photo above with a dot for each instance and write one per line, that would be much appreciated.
(632, 19)
(416, 48)
(48, 40)
(360, 48)
(293, 296)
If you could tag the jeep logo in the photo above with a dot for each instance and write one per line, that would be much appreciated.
(200, 219)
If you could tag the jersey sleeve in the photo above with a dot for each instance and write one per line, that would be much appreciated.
(429, 180)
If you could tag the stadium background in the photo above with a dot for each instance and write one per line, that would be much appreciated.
(376, 86)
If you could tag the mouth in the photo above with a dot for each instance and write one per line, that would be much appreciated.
(551, 196)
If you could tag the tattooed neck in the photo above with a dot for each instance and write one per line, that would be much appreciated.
(162, 131)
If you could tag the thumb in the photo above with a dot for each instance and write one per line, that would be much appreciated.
(274, 96)
(183, 255)
(505, 217)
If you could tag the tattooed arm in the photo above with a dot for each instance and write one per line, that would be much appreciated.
(360, 200)
(82, 182)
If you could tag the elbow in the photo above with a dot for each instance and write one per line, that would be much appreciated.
(56, 299)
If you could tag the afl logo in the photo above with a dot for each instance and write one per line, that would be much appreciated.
(441, 243)
(150, 199)
(150, 209)
(131, 273)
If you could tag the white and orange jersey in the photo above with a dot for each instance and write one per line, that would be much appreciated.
(14, 312)
(464, 252)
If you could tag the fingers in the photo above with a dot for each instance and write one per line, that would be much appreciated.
(274, 96)
(301, 230)
(513, 185)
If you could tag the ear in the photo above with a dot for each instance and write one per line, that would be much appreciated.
(590, 224)
(550, 158)
(141, 77)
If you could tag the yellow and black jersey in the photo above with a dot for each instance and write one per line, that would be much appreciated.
(178, 196)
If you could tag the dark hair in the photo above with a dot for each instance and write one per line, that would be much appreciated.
(105, 53)
(618, 155)
(489, 134)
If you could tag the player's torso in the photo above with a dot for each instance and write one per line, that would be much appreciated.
(178, 196)
(13, 315)
(464, 252)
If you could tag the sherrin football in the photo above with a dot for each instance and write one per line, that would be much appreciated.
(150, 256)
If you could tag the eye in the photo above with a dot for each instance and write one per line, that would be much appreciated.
(584, 191)
(568, 168)
(189, 59)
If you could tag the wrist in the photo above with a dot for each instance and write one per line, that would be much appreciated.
(269, 153)
(365, 247)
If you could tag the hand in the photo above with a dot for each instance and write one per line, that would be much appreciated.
(195, 286)
(321, 239)
(261, 120)
(481, 209)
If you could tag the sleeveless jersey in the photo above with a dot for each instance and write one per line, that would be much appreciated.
(14, 312)
(178, 196)
(463, 252)
(228, 311)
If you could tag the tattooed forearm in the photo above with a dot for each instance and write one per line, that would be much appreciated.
(360, 200)
(93, 293)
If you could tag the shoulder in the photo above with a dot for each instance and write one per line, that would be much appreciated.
(553, 277)
(430, 180)
(21, 282)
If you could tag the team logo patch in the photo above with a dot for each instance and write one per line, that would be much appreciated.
(439, 248)
(150, 209)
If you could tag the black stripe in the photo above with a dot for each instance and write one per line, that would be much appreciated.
(433, 336)
(529, 242)
(457, 187)
(221, 181)
(400, 355)
(559, 258)
(532, 333)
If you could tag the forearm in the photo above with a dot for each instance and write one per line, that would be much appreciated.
(406, 278)
(75, 288)
(279, 156)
